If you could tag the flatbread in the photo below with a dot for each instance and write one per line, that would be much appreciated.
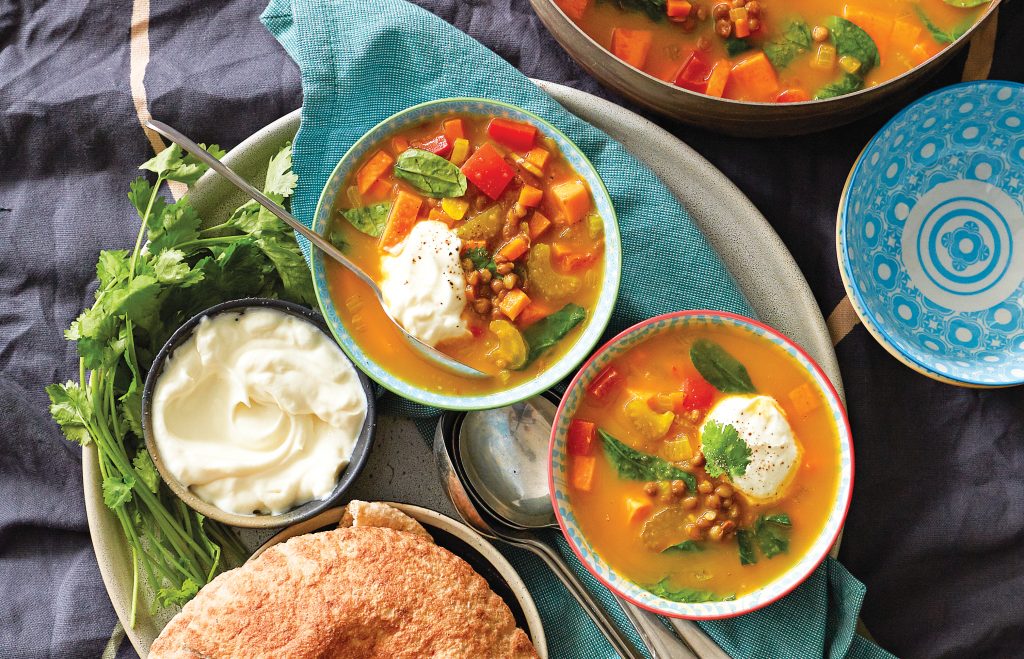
(381, 515)
(358, 591)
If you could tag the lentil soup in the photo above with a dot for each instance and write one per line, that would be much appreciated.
(773, 50)
(694, 493)
(529, 260)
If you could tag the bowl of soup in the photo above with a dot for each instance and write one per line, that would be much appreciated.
(492, 239)
(701, 465)
(762, 67)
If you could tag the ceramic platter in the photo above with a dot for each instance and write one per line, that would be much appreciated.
(753, 252)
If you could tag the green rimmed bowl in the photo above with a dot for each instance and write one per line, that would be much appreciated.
(598, 316)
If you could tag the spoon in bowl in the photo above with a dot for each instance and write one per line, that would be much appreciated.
(504, 455)
(429, 352)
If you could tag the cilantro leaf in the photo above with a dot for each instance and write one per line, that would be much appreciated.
(481, 259)
(177, 596)
(140, 193)
(724, 451)
(70, 408)
(175, 225)
(170, 268)
(284, 252)
(112, 267)
(173, 164)
(665, 590)
(117, 491)
(634, 465)
(280, 178)
(146, 470)
(131, 408)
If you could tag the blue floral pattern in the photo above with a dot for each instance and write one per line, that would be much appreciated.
(930, 235)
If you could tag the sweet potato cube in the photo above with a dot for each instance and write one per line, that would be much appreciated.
(404, 211)
(632, 46)
(514, 303)
(372, 170)
(637, 509)
(805, 399)
(755, 79)
(539, 223)
(530, 196)
(573, 199)
(574, 8)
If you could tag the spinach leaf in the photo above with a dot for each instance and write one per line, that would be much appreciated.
(937, 32)
(794, 41)
(772, 533)
(636, 466)
(745, 543)
(848, 84)
(851, 41)
(735, 46)
(684, 546)
(370, 219)
(548, 331)
(430, 174)
(688, 595)
(724, 451)
(481, 259)
(721, 369)
(655, 9)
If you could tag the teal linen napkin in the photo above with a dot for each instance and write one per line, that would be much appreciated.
(362, 61)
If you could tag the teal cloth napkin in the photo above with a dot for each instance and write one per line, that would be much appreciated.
(361, 62)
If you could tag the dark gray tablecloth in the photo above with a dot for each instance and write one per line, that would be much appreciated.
(937, 524)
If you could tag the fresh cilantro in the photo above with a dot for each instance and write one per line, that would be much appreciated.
(634, 465)
(721, 369)
(665, 590)
(735, 46)
(724, 451)
(176, 270)
(481, 259)
(745, 543)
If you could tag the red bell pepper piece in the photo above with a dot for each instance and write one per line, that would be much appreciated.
(581, 436)
(516, 135)
(694, 73)
(699, 394)
(487, 170)
(605, 382)
(793, 95)
(439, 146)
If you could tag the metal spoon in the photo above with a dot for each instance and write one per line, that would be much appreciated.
(488, 526)
(504, 454)
(321, 243)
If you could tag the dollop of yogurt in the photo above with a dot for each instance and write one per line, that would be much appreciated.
(423, 284)
(258, 411)
(774, 451)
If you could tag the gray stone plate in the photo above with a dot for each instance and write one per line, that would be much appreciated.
(400, 467)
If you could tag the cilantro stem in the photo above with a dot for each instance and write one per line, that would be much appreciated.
(206, 242)
(142, 229)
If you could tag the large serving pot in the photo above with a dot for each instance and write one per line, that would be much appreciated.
(730, 116)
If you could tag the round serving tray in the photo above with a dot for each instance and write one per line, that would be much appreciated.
(750, 248)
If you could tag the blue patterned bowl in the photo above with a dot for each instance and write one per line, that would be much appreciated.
(558, 481)
(599, 316)
(931, 235)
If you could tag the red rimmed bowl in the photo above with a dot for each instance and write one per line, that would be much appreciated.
(591, 557)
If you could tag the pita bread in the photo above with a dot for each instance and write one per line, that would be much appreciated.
(358, 591)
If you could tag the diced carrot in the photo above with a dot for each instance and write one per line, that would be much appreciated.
(531, 314)
(741, 28)
(632, 46)
(440, 216)
(538, 157)
(514, 248)
(453, 130)
(516, 135)
(380, 189)
(473, 244)
(530, 196)
(583, 472)
(372, 170)
(514, 303)
(404, 211)
(755, 78)
(637, 508)
(805, 399)
(573, 199)
(718, 78)
(877, 25)
(399, 143)
(571, 258)
(539, 223)
(678, 9)
(574, 8)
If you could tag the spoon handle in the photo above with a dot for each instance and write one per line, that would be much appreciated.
(620, 643)
(263, 200)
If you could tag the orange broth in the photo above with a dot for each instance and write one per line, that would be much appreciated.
(662, 365)
(664, 47)
(576, 246)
